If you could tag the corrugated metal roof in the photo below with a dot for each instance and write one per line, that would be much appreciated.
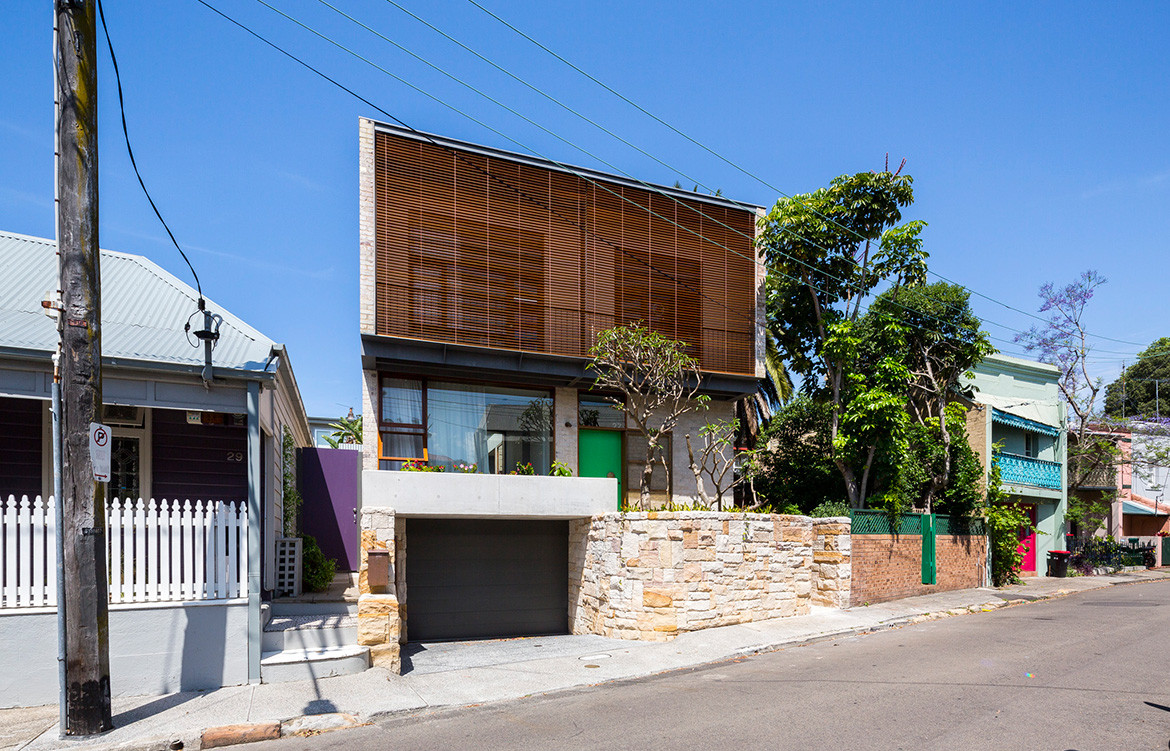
(144, 309)
(1023, 423)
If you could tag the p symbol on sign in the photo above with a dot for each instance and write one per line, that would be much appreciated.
(99, 451)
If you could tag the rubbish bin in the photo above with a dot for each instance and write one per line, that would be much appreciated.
(1058, 563)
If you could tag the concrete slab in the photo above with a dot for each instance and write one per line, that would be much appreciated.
(420, 658)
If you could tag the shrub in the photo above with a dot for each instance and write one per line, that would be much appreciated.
(830, 508)
(560, 469)
(1004, 522)
(316, 570)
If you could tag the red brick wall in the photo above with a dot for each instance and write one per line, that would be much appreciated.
(890, 568)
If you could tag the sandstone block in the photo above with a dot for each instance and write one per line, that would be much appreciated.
(388, 656)
(656, 599)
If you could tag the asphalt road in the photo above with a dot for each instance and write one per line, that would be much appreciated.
(1088, 672)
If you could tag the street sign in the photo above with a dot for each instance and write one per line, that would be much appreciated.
(99, 451)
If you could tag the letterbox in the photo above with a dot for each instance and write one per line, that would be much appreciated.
(378, 569)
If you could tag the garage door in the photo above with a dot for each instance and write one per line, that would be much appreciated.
(472, 578)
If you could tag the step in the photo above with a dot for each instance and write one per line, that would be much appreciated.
(310, 631)
(312, 664)
(334, 607)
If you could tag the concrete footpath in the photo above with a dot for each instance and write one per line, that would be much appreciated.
(459, 674)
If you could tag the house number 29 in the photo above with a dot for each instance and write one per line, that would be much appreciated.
(235, 456)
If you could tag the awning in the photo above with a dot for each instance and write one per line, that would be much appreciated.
(1130, 507)
(1015, 421)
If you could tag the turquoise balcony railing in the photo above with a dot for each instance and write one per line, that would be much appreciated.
(1024, 470)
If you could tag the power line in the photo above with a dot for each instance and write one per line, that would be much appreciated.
(496, 178)
(648, 186)
(134, 164)
(742, 169)
(568, 167)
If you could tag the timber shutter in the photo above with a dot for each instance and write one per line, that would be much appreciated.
(485, 251)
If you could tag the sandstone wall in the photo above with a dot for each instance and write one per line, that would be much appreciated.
(379, 619)
(652, 575)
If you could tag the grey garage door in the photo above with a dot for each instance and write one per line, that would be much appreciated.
(473, 578)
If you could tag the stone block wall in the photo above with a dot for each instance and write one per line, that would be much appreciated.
(832, 562)
(888, 567)
(379, 619)
(652, 575)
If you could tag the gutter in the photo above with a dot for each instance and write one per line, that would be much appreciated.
(123, 364)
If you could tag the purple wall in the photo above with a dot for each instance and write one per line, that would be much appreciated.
(20, 447)
(198, 462)
(329, 486)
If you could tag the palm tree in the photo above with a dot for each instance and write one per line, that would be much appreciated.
(346, 430)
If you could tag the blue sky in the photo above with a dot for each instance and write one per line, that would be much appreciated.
(1036, 134)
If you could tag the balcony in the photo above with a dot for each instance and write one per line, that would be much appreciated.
(1101, 478)
(1024, 470)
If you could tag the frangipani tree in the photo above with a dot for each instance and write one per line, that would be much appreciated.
(657, 381)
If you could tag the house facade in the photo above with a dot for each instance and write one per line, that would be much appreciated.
(1019, 421)
(485, 279)
(194, 505)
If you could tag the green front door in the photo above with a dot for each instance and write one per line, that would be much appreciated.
(599, 454)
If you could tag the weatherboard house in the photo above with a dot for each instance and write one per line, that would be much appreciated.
(194, 510)
(485, 278)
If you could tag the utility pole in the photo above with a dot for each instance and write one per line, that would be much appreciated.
(85, 596)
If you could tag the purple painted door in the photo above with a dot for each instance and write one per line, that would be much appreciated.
(329, 486)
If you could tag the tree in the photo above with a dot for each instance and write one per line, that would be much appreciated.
(346, 430)
(1138, 391)
(658, 382)
(942, 341)
(718, 463)
(1063, 341)
(825, 253)
(796, 472)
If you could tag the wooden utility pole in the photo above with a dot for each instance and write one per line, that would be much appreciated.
(85, 599)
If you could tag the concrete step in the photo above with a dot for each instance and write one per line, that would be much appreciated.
(310, 631)
(336, 607)
(312, 664)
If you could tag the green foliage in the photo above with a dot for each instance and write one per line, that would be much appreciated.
(1088, 514)
(290, 497)
(817, 267)
(796, 471)
(1005, 520)
(523, 469)
(560, 469)
(346, 430)
(316, 570)
(819, 272)
(830, 508)
(909, 482)
(1134, 394)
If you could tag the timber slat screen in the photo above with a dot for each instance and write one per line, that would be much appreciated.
(488, 252)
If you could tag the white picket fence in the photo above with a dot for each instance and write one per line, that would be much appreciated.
(157, 551)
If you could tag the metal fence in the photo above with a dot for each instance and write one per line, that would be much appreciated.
(870, 522)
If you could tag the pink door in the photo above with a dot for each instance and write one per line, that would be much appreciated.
(1028, 543)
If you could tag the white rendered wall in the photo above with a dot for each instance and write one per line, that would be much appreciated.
(154, 649)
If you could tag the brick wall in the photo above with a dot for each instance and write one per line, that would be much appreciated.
(889, 568)
(652, 575)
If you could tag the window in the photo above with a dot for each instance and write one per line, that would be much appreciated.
(450, 424)
(1031, 445)
(596, 412)
(401, 435)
